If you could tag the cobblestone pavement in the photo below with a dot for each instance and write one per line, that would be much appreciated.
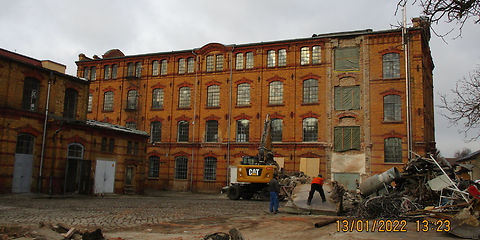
(115, 212)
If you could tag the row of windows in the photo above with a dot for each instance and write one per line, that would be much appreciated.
(346, 59)
(393, 154)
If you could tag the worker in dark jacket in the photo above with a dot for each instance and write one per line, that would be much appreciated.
(317, 185)
(274, 189)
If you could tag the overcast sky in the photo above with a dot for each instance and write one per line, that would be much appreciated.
(59, 30)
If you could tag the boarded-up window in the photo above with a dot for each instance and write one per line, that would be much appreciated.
(347, 59)
(393, 150)
(347, 98)
(346, 138)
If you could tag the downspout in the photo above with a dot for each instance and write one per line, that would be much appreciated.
(42, 154)
(407, 82)
(229, 114)
(194, 115)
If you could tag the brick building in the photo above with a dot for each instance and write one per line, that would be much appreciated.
(338, 104)
(67, 153)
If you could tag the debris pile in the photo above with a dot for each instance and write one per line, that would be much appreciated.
(233, 234)
(426, 188)
(292, 179)
(73, 233)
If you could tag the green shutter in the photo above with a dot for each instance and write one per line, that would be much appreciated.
(337, 141)
(356, 97)
(347, 59)
(356, 138)
(338, 98)
(347, 98)
(347, 138)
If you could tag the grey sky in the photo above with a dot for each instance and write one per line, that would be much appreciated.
(59, 30)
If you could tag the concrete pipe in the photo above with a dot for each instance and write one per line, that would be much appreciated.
(377, 181)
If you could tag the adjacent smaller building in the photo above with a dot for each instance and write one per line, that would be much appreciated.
(48, 145)
(471, 161)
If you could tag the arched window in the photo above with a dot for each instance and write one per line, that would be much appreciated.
(184, 97)
(213, 96)
(393, 150)
(310, 130)
(392, 108)
(182, 135)
(132, 100)
(275, 93)
(276, 129)
(210, 169)
(181, 168)
(243, 94)
(391, 65)
(155, 67)
(24, 143)
(75, 151)
(153, 166)
(157, 98)
(310, 91)
(108, 101)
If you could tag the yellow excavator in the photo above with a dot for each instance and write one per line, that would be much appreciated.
(254, 173)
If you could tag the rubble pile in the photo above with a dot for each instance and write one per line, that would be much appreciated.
(292, 179)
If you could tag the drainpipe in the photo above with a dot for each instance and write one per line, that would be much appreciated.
(229, 115)
(39, 181)
(407, 83)
(194, 115)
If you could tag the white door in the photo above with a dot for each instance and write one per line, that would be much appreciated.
(104, 176)
(22, 173)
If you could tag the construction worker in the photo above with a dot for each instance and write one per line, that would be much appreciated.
(274, 188)
(317, 185)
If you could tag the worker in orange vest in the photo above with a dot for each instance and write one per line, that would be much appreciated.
(317, 185)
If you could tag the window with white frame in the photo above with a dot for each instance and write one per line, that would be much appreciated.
(114, 71)
(190, 65)
(242, 130)
(310, 91)
(108, 101)
(153, 166)
(219, 63)
(181, 66)
(310, 130)
(181, 168)
(210, 65)
(316, 54)
(155, 131)
(304, 56)
(275, 93)
(86, 73)
(184, 97)
(163, 67)
(90, 102)
(155, 68)
(130, 70)
(157, 98)
(211, 128)
(276, 131)
(249, 60)
(282, 57)
(392, 108)
(138, 69)
(391, 65)
(243, 94)
(239, 61)
(213, 96)
(393, 150)
(132, 100)
(131, 125)
(210, 169)
(271, 58)
(106, 72)
(182, 131)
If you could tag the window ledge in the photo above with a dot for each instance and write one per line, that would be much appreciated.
(309, 104)
(184, 108)
(394, 163)
(276, 105)
(153, 178)
(395, 79)
(392, 122)
(210, 181)
(130, 109)
(107, 111)
(212, 107)
(156, 109)
(243, 106)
